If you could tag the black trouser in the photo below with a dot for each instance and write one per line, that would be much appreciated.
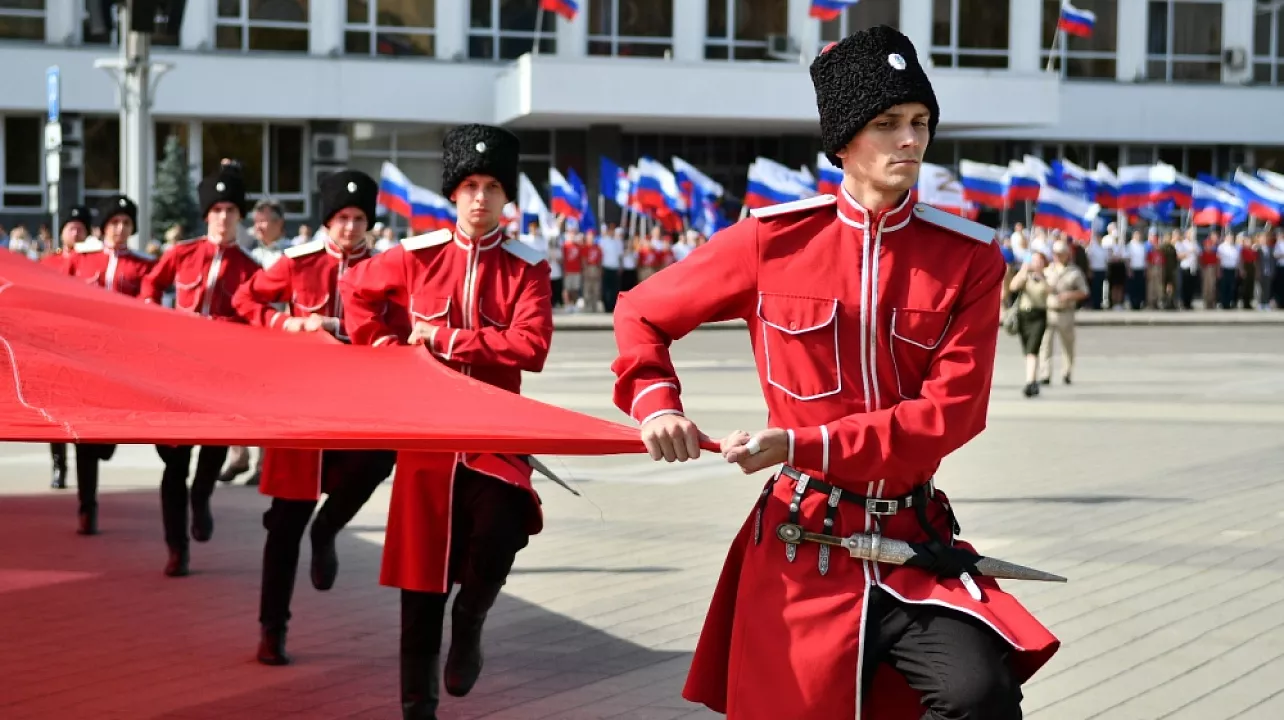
(488, 528)
(1191, 286)
(1227, 287)
(958, 664)
(610, 288)
(1097, 289)
(87, 457)
(58, 451)
(349, 477)
(173, 490)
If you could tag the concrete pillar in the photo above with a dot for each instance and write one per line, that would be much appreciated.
(62, 22)
(198, 25)
(1025, 36)
(690, 24)
(1130, 55)
(325, 28)
(451, 23)
(916, 24)
(1237, 32)
(572, 36)
(804, 29)
(604, 141)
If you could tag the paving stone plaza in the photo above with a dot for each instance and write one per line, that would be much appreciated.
(1152, 483)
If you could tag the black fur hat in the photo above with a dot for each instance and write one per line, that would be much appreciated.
(480, 150)
(224, 185)
(117, 205)
(859, 78)
(348, 189)
(80, 214)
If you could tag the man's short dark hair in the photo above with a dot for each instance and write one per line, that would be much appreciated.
(271, 206)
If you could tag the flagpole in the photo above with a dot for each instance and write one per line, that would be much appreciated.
(539, 25)
(1052, 51)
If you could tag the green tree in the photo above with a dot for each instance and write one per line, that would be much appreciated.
(173, 201)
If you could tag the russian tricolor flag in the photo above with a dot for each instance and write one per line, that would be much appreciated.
(1074, 21)
(984, 184)
(1210, 205)
(1106, 186)
(829, 9)
(1060, 210)
(566, 8)
(562, 197)
(613, 182)
(424, 209)
(695, 186)
(1073, 179)
(770, 183)
(830, 176)
(1183, 190)
(1024, 182)
(1264, 201)
(1141, 185)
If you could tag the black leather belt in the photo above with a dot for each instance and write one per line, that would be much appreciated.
(874, 506)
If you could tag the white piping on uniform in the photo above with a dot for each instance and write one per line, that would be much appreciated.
(872, 328)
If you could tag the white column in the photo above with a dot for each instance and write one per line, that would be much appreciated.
(1237, 32)
(690, 24)
(198, 25)
(916, 23)
(804, 29)
(572, 36)
(451, 28)
(1025, 35)
(1130, 61)
(325, 27)
(62, 22)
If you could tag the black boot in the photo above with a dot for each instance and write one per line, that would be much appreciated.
(178, 559)
(272, 647)
(420, 691)
(88, 521)
(325, 560)
(464, 661)
(58, 478)
(202, 518)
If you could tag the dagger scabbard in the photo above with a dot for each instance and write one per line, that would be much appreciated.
(877, 548)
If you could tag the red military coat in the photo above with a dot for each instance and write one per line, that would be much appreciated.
(491, 300)
(875, 340)
(306, 281)
(121, 270)
(204, 276)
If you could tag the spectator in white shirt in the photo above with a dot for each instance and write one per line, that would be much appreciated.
(1097, 259)
(612, 244)
(1188, 259)
(1136, 255)
(1228, 257)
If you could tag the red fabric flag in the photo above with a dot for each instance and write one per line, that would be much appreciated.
(78, 363)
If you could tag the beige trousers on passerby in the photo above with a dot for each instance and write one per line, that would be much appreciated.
(1208, 276)
(592, 292)
(1060, 325)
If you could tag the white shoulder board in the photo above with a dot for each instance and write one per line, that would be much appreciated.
(523, 251)
(427, 240)
(89, 245)
(794, 206)
(955, 223)
(307, 248)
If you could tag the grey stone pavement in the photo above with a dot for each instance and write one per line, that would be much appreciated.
(1152, 483)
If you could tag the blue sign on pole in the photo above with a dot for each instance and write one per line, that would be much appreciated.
(53, 93)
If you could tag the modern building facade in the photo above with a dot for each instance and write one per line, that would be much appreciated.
(295, 88)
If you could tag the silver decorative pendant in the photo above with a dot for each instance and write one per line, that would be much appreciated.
(481, 147)
(219, 187)
(896, 61)
(352, 187)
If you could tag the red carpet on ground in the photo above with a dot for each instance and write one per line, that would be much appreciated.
(78, 363)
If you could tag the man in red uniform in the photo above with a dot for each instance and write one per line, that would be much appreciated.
(110, 264)
(74, 229)
(306, 280)
(481, 304)
(874, 322)
(205, 274)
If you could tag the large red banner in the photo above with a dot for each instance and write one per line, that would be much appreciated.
(78, 363)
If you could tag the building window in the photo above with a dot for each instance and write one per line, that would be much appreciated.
(390, 27)
(1184, 41)
(630, 28)
(101, 168)
(22, 20)
(970, 33)
(505, 29)
(1092, 57)
(860, 16)
(745, 29)
(272, 156)
(159, 38)
(1265, 158)
(1268, 44)
(24, 162)
(280, 25)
